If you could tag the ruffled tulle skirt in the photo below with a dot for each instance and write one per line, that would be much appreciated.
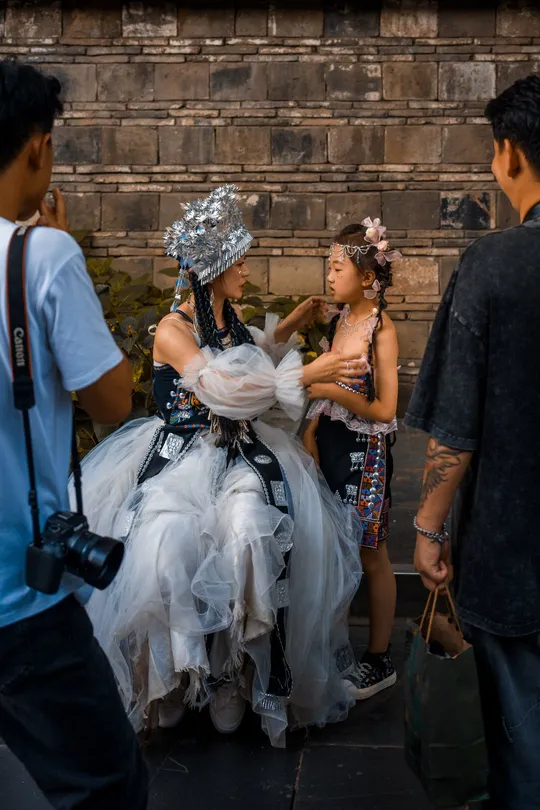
(204, 552)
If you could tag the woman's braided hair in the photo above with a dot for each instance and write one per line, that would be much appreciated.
(207, 328)
(354, 235)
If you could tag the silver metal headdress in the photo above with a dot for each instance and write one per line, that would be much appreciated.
(211, 236)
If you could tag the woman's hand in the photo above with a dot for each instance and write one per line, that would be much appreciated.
(332, 367)
(311, 309)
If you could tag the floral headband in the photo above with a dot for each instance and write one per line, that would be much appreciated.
(375, 238)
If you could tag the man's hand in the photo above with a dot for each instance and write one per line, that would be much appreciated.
(432, 561)
(54, 216)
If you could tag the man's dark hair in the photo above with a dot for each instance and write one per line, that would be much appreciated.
(29, 103)
(515, 116)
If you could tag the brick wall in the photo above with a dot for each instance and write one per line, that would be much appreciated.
(321, 113)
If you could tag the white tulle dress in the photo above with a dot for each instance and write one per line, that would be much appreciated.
(211, 560)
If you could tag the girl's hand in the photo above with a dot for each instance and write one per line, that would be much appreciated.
(312, 309)
(332, 367)
(317, 391)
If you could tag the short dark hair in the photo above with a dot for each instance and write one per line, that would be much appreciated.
(29, 103)
(515, 116)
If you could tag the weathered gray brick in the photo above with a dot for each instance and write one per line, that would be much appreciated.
(298, 145)
(243, 145)
(130, 212)
(296, 81)
(186, 80)
(467, 143)
(347, 209)
(409, 18)
(344, 19)
(186, 145)
(83, 211)
(415, 275)
(410, 80)
(306, 21)
(354, 82)
(92, 21)
(411, 210)
(78, 81)
(205, 20)
(356, 145)
(518, 18)
(296, 275)
(129, 145)
(467, 81)
(245, 80)
(297, 211)
(150, 19)
(510, 72)
(447, 267)
(77, 144)
(252, 22)
(255, 210)
(466, 211)
(125, 82)
(413, 144)
(32, 19)
(412, 338)
(464, 20)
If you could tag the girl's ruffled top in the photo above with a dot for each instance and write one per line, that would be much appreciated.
(338, 412)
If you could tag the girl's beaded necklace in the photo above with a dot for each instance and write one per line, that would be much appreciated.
(352, 328)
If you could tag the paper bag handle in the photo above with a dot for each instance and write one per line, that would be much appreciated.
(432, 603)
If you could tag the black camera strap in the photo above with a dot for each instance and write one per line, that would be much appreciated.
(21, 369)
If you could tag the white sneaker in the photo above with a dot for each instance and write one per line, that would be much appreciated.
(172, 709)
(227, 709)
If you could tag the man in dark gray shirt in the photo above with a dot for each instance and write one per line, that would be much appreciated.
(478, 397)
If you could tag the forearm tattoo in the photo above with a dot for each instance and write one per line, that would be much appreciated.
(440, 460)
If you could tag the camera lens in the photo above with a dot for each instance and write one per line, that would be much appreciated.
(93, 558)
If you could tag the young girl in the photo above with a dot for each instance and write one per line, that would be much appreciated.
(351, 429)
(239, 564)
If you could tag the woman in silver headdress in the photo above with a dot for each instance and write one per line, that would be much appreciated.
(240, 564)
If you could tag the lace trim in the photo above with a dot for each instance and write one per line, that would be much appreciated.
(357, 424)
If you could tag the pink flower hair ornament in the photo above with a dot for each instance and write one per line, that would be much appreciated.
(375, 238)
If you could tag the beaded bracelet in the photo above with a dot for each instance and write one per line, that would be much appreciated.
(349, 388)
(433, 537)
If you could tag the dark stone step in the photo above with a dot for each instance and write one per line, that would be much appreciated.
(411, 595)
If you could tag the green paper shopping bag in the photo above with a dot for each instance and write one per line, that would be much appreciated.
(444, 736)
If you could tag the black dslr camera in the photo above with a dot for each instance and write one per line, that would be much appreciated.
(66, 543)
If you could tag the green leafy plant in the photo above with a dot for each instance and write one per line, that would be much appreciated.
(254, 310)
(132, 305)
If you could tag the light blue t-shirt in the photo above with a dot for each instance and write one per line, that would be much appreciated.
(71, 349)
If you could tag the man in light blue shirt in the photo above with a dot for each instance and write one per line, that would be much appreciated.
(60, 712)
